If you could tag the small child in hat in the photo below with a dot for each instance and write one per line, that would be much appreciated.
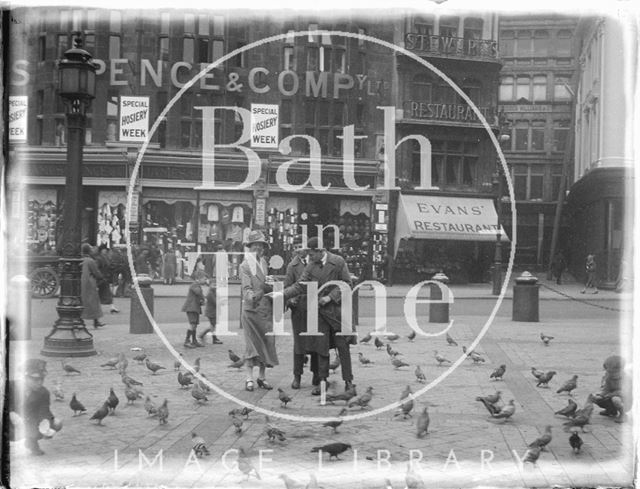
(193, 307)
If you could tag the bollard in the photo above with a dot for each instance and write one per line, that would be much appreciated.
(139, 322)
(19, 308)
(355, 301)
(438, 312)
(526, 298)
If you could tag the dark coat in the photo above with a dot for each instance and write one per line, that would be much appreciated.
(297, 304)
(195, 299)
(329, 315)
(91, 276)
(210, 309)
(104, 285)
(33, 408)
(170, 264)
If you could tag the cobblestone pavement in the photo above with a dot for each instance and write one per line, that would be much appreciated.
(464, 447)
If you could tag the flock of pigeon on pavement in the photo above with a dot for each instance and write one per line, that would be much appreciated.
(576, 418)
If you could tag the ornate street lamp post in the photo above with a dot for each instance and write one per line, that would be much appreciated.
(76, 85)
(497, 184)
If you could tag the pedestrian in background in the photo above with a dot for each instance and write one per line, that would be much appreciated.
(557, 267)
(193, 307)
(104, 286)
(256, 318)
(591, 275)
(170, 262)
(89, 287)
(142, 262)
(210, 311)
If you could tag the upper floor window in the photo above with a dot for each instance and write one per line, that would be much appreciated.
(361, 41)
(288, 58)
(523, 47)
(539, 88)
(473, 89)
(506, 88)
(561, 88)
(507, 43)
(115, 21)
(563, 43)
(218, 25)
(560, 135)
(421, 88)
(76, 20)
(473, 28)
(423, 24)
(449, 26)
(313, 37)
(541, 43)
(64, 20)
(165, 23)
(189, 24)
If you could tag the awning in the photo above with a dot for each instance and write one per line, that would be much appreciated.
(451, 218)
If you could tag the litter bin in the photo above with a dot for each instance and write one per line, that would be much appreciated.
(19, 308)
(526, 295)
(139, 321)
(438, 312)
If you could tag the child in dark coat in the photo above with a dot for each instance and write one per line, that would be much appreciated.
(193, 307)
(210, 310)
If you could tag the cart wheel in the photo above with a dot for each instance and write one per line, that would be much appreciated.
(44, 282)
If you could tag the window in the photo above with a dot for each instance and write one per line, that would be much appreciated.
(164, 23)
(452, 163)
(90, 42)
(238, 59)
(556, 179)
(40, 102)
(186, 103)
(61, 133)
(521, 131)
(310, 112)
(313, 38)
(560, 88)
(203, 25)
(324, 60)
(91, 19)
(115, 21)
(536, 182)
(185, 134)
(362, 62)
(39, 131)
(218, 50)
(288, 60)
(163, 48)
(42, 48)
(421, 89)
(312, 58)
(449, 26)
(520, 179)
(361, 41)
(523, 44)
(339, 61)
(203, 50)
(560, 134)
(563, 43)
(359, 114)
(64, 20)
(114, 47)
(218, 25)
(522, 88)
(506, 88)
(338, 113)
(112, 116)
(472, 88)
(188, 49)
(507, 43)
(189, 24)
(290, 39)
(539, 88)
(286, 113)
(541, 43)
(537, 136)
(423, 24)
(62, 44)
(76, 20)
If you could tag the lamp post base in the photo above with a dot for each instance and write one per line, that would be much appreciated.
(65, 342)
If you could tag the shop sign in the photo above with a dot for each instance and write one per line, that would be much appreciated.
(18, 118)
(527, 108)
(133, 210)
(261, 208)
(264, 126)
(443, 112)
(134, 119)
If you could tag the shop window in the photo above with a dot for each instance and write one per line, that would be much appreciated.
(359, 113)
(310, 112)
(338, 114)
(449, 26)
(541, 43)
(423, 24)
(114, 47)
(112, 115)
(560, 134)
(323, 113)
(288, 59)
(323, 140)
(437, 162)
(358, 145)
(42, 221)
(563, 43)
(469, 170)
(561, 88)
(506, 91)
(185, 134)
(452, 169)
(539, 88)
(285, 112)
(507, 43)
(421, 88)
(336, 149)
(188, 49)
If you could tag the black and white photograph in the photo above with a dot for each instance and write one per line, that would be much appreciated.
(339, 246)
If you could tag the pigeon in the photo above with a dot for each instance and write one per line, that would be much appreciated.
(363, 360)
(420, 377)
(177, 364)
(499, 372)
(197, 394)
(507, 411)
(379, 344)
(333, 449)
(397, 363)
(391, 352)
(493, 398)
(406, 407)
(366, 338)
(468, 353)
(154, 367)
(545, 378)
(150, 407)
(422, 424)
(545, 339)
(476, 357)
(543, 440)
(569, 410)
(335, 364)
(237, 423)
(342, 396)
(131, 393)
(439, 358)
(450, 340)
(284, 398)
(140, 357)
(363, 400)
(334, 423)
(112, 362)
(491, 407)
(76, 406)
(241, 412)
(198, 445)
(238, 364)
(58, 392)
(69, 369)
(536, 373)
(576, 442)
(245, 466)
(233, 357)
(579, 420)
(129, 380)
(101, 413)
(411, 336)
(196, 364)
(531, 455)
(112, 401)
(289, 483)
(273, 431)
(185, 380)
(569, 385)
(412, 479)
(587, 409)
(392, 337)
(123, 363)
(163, 413)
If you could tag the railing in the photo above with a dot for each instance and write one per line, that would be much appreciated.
(446, 46)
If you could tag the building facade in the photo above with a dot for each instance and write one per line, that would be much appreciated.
(600, 200)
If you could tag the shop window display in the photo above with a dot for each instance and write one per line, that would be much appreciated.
(111, 224)
(42, 225)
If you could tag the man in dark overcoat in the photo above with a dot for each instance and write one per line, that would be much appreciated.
(298, 306)
(324, 267)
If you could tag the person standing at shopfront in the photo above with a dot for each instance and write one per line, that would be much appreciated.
(256, 318)
(193, 307)
(324, 267)
(89, 287)
(170, 263)
(106, 269)
(298, 306)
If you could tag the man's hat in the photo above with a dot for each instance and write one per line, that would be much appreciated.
(36, 368)
(256, 236)
(313, 244)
